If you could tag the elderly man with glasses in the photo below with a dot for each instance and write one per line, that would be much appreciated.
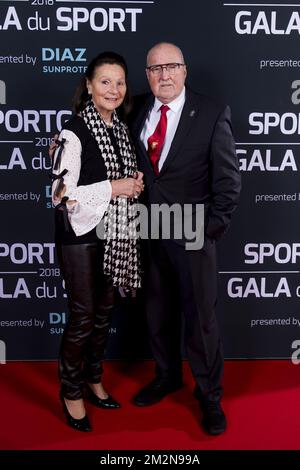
(187, 153)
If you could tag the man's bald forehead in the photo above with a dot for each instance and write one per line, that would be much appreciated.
(165, 46)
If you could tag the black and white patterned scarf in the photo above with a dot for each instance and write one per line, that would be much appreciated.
(121, 245)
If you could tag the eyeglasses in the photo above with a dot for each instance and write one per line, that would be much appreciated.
(158, 69)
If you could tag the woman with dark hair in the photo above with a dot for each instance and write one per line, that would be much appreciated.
(95, 180)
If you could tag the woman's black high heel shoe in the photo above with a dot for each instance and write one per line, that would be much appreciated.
(82, 424)
(108, 403)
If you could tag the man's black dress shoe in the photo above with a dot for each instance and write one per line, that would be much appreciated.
(155, 391)
(213, 419)
(82, 424)
(108, 403)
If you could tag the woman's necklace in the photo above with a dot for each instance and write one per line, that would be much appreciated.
(107, 123)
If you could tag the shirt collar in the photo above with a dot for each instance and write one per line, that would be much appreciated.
(174, 105)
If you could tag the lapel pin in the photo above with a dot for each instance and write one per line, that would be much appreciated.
(192, 113)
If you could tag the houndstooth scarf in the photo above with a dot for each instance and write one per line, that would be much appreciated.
(121, 246)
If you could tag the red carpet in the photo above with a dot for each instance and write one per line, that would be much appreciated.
(261, 402)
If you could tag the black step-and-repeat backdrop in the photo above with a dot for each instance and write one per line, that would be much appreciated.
(246, 55)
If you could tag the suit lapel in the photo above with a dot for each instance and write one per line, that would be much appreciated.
(140, 121)
(185, 124)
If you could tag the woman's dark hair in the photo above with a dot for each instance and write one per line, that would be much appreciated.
(81, 96)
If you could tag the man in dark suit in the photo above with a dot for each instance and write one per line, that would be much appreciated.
(187, 154)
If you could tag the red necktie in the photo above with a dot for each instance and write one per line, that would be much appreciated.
(156, 140)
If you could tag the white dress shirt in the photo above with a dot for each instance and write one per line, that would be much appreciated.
(92, 200)
(173, 116)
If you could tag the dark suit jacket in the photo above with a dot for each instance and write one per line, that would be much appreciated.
(201, 166)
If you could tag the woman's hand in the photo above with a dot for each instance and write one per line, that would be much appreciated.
(53, 147)
(139, 175)
(58, 195)
(127, 187)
